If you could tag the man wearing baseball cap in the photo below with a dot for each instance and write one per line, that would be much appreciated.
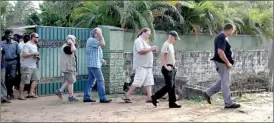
(68, 67)
(168, 70)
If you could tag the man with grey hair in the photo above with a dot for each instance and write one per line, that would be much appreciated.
(94, 64)
(68, 67)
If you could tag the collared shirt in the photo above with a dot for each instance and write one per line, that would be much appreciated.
(141, 60)
(11, 51)
(94, 53)
(169, 50)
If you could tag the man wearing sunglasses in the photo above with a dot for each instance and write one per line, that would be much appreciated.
(29, 70)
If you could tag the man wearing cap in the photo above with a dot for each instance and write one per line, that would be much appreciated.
(68, 67)
(94, 64)
(169, 71)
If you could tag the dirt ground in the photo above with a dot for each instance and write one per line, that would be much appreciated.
(255, 108)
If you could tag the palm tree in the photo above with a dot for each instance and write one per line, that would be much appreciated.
(93, 13)
(140, 14)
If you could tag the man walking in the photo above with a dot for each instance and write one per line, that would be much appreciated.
(11, 49)
(223, 61)
(68, 67)
(168, 71)
(94, 64)
(29, 70)
(142, 65)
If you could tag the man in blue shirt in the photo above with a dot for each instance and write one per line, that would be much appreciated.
(224, 61)
(94, 63)
(11, 49)
(3, 85)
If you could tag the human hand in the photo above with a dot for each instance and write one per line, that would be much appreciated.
(168, 68)
(229, 65)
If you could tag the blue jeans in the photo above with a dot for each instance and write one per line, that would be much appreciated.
(95, 74)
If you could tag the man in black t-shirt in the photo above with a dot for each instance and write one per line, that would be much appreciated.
(224, 61)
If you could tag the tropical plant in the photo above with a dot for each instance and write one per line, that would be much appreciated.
(93, 13)
(140, 14)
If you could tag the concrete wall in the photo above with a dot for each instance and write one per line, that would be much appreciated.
(193, 57)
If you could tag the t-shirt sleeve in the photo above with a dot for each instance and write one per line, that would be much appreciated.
(26, 48)
(139, 46)
(67, 50)
(164, 48)
(221, 43)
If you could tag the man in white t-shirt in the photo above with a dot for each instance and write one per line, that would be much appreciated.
(169, 71)
(142, 65)
(29, 70)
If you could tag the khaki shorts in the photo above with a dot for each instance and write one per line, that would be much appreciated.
(143, 77)
(29, 74)
(70, 77)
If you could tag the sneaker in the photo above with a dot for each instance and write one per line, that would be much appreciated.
(233, 106)
(73, 99)
(59, 94)
(207, 98)
(89, 100)
(5, 101)
(105, 101)
(154, 100)
(174, 105)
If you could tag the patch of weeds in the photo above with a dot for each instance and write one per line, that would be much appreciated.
(198, 99)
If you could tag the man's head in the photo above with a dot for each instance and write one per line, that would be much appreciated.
(173, 36)
(72, 38)
(8, 34)
(26, 38)
(16, 37)
(96, 33)
(229, 29)
(34, 37)
(145, 33)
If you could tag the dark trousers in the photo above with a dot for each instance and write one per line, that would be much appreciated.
(11, 70)
(169, 85)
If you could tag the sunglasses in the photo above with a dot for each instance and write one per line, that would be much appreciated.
(36, 37)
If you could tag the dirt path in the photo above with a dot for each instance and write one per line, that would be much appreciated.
(255, 108)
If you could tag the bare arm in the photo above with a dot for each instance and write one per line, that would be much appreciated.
(73, 48)
(26, 54)
(145, 51)
(163, 59)
(223, 56)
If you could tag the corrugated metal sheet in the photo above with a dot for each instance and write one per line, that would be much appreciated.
(49, 64)
(60, 33)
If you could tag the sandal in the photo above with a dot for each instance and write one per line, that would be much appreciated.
(127, 100)
(21, 98)
(32, 96)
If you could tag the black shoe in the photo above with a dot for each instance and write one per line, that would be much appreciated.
(5, 101)
(154, 100)
(207, 97)
(59, 94)
(11, 96)
(105, 101)
(233, 106)
(72, 99)
(174, 105)
(89, 100)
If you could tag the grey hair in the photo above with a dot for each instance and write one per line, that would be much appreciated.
(93, 32)
(71, 37)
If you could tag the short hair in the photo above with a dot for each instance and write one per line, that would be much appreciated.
(228, 26)
(17, 35)
(26, 38)
(71, 37)
(32, 35)
(144, 30)
(8, 32)
(93, 32)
